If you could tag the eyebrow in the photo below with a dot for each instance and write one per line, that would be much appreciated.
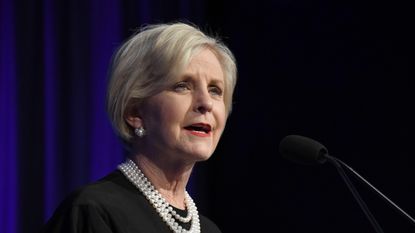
(217, 82)
(189, 76)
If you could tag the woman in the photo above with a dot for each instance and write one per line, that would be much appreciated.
(169, 97)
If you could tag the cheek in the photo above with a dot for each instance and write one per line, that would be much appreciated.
(221, 118)
(172, 114)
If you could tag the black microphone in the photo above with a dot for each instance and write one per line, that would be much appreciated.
(305, 150)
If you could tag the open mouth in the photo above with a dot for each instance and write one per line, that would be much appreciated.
(199, 128)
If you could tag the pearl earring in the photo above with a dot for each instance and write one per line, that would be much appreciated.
(140, 132)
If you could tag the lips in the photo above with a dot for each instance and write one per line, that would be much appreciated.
(201, 128)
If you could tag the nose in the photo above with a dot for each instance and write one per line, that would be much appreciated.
(203, 102)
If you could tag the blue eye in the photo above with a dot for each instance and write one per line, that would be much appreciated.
(215, 90)
(181, 86)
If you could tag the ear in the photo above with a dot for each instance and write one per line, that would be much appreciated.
(132, 115)
(133, 118)
(134, 121)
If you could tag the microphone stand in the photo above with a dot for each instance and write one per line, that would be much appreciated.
(391, 203)
(306, 150)
(355, 193)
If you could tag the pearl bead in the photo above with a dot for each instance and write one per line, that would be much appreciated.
(165, 211)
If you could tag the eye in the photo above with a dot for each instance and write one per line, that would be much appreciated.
(181, 86)
(215, 90)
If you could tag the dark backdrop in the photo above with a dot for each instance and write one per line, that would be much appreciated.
(336, 71)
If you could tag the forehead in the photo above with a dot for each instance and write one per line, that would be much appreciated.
(205, 63)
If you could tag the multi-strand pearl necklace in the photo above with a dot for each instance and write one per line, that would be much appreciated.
(166, 212)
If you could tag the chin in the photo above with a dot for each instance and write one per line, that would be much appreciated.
(198, 151)
(201, 156)
(204, 158)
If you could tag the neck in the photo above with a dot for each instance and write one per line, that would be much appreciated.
(169, 179)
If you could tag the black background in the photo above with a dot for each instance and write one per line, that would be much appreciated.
(335, 71)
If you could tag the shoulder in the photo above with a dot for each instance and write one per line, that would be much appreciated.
(110, 188)
(113, 194)
(111, 204)
(94, 195)
(104, 191)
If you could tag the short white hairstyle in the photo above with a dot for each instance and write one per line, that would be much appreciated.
(151, 59)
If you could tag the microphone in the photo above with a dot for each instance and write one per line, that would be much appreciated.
(303, 150)
(307, 151)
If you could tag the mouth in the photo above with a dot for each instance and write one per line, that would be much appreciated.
(199, 129)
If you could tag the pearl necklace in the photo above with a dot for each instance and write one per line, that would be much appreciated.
(166, 212)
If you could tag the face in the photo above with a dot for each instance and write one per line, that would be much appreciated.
(185, 121)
